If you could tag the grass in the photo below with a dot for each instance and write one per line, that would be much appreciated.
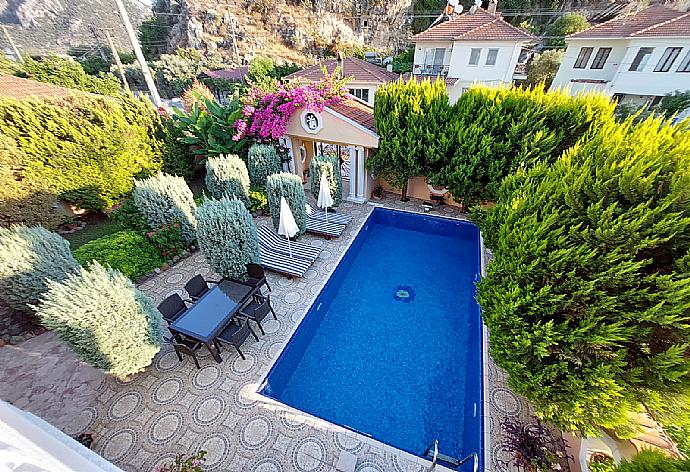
(96, 227)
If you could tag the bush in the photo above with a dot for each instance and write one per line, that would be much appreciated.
(586, 299)
(104, 318)
(167, 240)
(259, 201)
(227, 237)
(653, 461)
(178, 158)
(289, 186)
(542, 69)
(82, 149)
(331, 166)
(68, 73)
(674, 102)
(29, 258)
(175, 72)
(570, 23)
(128, 216)
(227, 176)
(164, 199)
(263, 161)
(126, 251)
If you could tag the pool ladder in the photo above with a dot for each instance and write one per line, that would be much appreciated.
(448, 461)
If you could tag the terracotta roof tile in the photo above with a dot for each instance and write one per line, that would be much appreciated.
(357, 112)
(359, 70)
(17, 87)
(654, 21)
(480, 25)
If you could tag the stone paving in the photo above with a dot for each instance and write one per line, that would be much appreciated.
(174, 407)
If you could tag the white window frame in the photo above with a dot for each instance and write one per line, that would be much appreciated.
(684, 64)
(477, 59)
(644, 53)
(601, 58)
(668, 58)
(491, 51)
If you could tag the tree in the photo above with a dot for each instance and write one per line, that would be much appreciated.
(227, 236)
(69, 73)
(29, 258)
(675, 102)
(331, 166)
(175, 72)
(408, 121)
(263, 161)
(650, 460)
(570, 23)
(403, 61)
(289, 186)
(153, 36)
(543, 68)
(227, 176)
(165, 199)
(106, 320)
(587, 297)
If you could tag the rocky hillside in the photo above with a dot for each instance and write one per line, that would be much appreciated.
(42, 26)
(293, 30)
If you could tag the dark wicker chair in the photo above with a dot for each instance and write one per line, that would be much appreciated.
(172, 308)
(257, 277)
(235, 334)
(188, 347)
(257, 309)
(197, 287)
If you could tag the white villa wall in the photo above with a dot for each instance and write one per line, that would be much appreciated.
(420, 51)
(620, 80)
(502, 71)
(372, 87)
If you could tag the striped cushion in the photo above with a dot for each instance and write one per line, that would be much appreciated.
(276, 243)
(324, 228)
(283, 264)
(330, 217)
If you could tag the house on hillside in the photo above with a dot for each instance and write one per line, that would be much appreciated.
(366, 77)
(636, 58)
(473, 47)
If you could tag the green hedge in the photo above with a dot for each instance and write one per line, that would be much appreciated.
(653, 461)
(127, 251)
(82, 149)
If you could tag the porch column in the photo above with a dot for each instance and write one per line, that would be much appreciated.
(353, 173)
(360, 175)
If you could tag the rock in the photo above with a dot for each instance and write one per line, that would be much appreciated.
(185, 253)
(17, 339)
(157, 270)
(2, 343)
(176, 259)
(165, 266)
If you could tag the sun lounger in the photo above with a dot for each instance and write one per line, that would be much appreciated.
(324, 228)
(283, 264)
(269, 239)
(331, 217)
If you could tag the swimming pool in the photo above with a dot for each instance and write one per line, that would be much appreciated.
(392, 346)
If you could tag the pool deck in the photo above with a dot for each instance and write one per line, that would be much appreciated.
(173, 407)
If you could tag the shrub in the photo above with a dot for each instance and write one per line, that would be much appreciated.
(69, 73)
(586, 299)
(289, 186)
(175, 72)
(85, 150)
(532, 447)
(227, 176)
(29, 257)
(164, 199)
(227, 236)
(104, 318)
(178, 158)
(674, 102)
(570, 23)
(259, 201)
(331, 166)
(653, 461)
(542, 69)
(126, 251)
(263, 161)
(167, 240)
(127, 216)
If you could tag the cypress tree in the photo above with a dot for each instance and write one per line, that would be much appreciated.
(263, 160)
(331, 166)
(289, 186)
(228, 176)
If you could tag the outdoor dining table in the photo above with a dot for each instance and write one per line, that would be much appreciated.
(212, 313)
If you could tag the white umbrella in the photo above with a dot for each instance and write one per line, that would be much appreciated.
(325, 200)
(287, 225)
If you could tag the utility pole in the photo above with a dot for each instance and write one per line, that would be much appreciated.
(14, 46)
(118, 62)
(140, 55)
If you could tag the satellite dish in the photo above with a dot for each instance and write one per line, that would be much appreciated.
(453, 3)
(478, 3)
(458, 9)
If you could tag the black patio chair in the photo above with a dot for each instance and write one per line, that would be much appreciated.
(235, 334)
(172, 308)
(257, 309)
(257, 276)
(187, 346)
(198, 286)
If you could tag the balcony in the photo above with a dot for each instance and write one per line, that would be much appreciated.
(432, 70)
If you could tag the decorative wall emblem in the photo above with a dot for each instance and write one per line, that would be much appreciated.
(312, 122)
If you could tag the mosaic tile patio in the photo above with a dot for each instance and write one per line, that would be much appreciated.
(173, 407)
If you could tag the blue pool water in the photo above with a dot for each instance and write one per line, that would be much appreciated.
(392, 345)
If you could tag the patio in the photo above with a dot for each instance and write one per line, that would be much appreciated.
(173, 407)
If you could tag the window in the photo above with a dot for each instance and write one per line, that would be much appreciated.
(641, 59)
(685, 64)
(583, 58)
(474, 56)
(601, 58)
(667, 59)
(491, 57)
(361, 93)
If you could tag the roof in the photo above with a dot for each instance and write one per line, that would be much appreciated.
(654, 21)
(356, 111)
(359, 70)
(17, 87)
(237, 73)
(433, 78)
(480, 25)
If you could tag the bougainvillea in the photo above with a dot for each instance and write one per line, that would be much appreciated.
(265, 113)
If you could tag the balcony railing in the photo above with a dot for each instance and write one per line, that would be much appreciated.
(421, 69)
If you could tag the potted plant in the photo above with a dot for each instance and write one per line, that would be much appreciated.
(377, 193)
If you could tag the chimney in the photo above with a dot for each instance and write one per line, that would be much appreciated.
(492, 6)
